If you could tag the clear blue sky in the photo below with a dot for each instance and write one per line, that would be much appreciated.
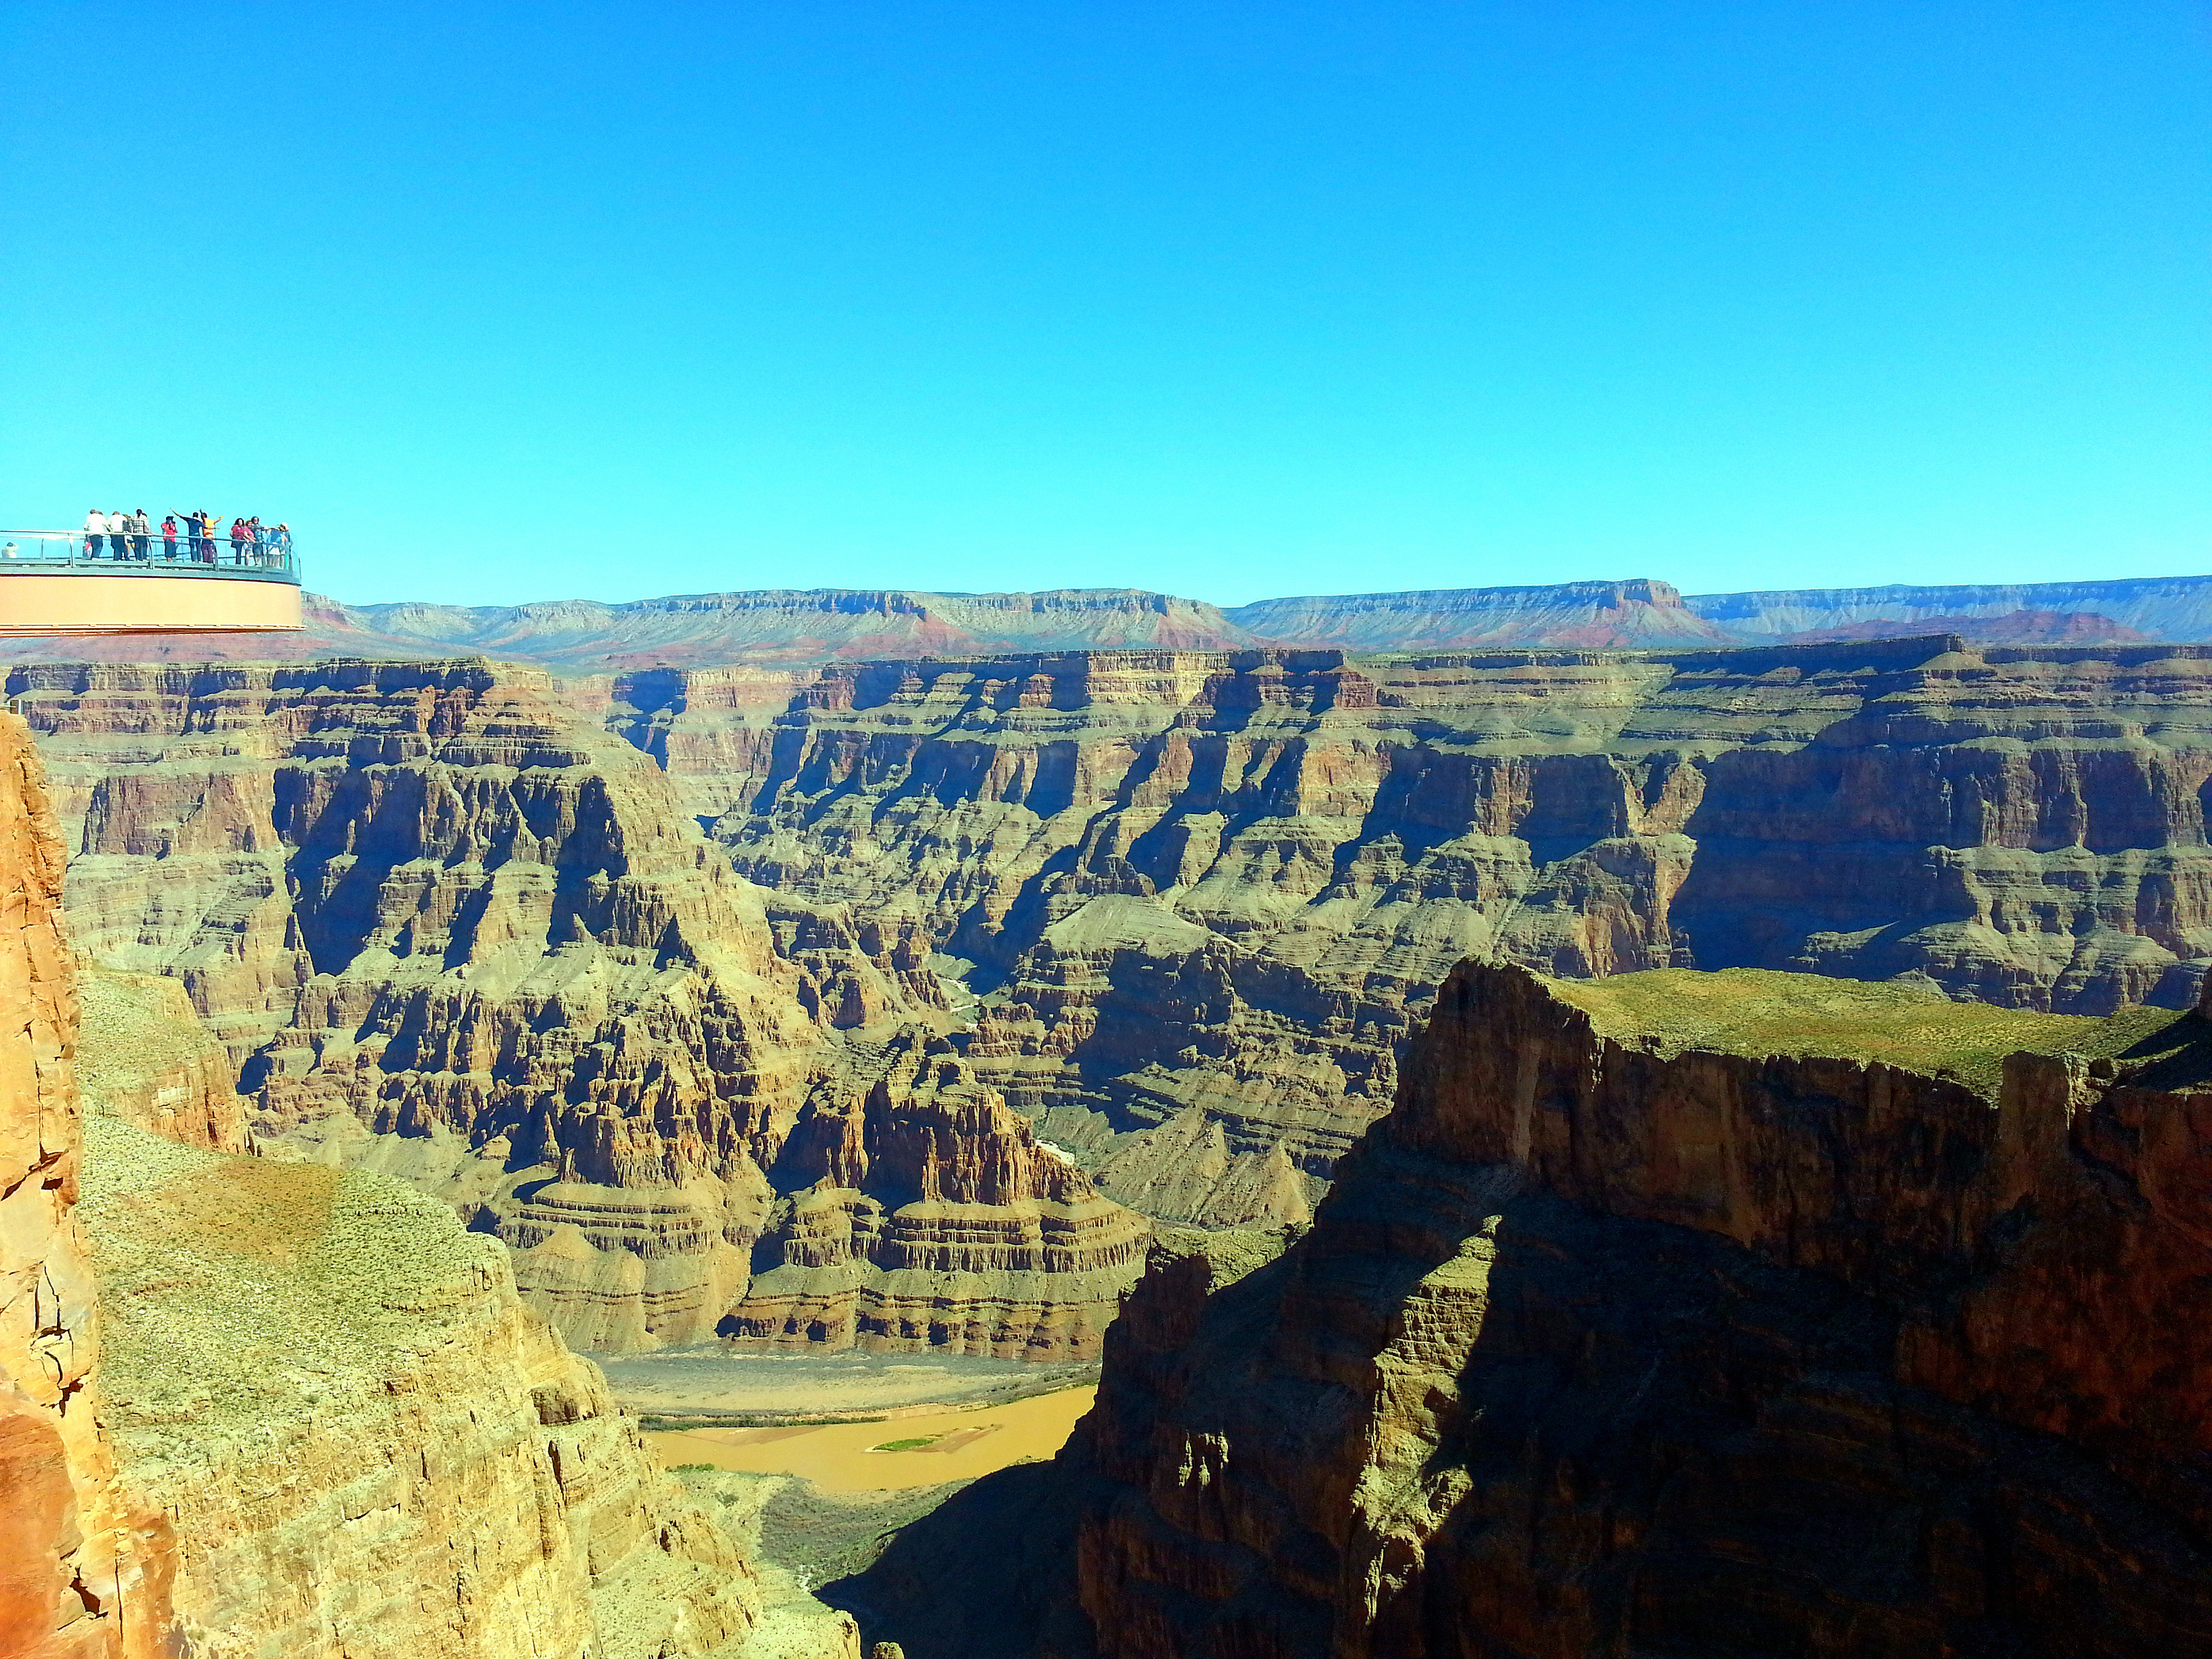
(530, 301)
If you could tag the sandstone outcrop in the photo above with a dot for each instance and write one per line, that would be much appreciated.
(84, 1571)
(930, 1215)
(448, 926)
(1746, 1313)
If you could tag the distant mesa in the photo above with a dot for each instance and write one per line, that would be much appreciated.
(780, 628)
(2014, 628)
(1617, 614)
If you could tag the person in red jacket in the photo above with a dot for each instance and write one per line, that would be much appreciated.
(169, 536)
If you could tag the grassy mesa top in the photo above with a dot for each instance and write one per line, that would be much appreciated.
(1755, 1011)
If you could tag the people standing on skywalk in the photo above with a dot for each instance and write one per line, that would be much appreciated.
(141, 534)
(169, 536)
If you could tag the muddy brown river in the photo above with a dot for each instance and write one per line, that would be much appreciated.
(958, 1444)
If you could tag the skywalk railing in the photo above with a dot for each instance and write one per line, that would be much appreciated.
(50, 551)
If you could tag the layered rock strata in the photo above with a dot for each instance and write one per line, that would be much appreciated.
(932, 1215)
(364, 1442)
(84, 1570)
(294, 1411)
(1185, 882)
(1675, 1314)
(1231, 883)
(447, 926)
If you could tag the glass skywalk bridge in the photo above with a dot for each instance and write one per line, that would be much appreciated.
(72, 581)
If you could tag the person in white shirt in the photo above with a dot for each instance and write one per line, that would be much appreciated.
(95, 527)
(141, 534)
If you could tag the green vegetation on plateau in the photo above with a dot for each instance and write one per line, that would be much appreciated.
(1755, 1011)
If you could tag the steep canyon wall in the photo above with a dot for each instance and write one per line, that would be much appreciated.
(1207, 895)
(250, 1406)
(85, 1570)
(449, 928)
(366, 1445)
(1747, 1313)
(1202, 896)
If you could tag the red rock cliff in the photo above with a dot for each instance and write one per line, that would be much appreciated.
(81, 1575)
(1745, 1313)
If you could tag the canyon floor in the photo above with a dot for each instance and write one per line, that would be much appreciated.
(704, 1383)
(917, 1446)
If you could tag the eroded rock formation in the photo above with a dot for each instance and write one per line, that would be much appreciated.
(366, 1445)
(1746, 1313)
(1216, 883)
(1232, 883)
(930, 1215)
(449, 928)
(84, 1570)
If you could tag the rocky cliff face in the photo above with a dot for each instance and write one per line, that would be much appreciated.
(448, 928)
(294, 1411)
(1747, 1313)
(1227, 884)
(932, 1215)
(1204, 895)
(366, 1445)
(84, 1570)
